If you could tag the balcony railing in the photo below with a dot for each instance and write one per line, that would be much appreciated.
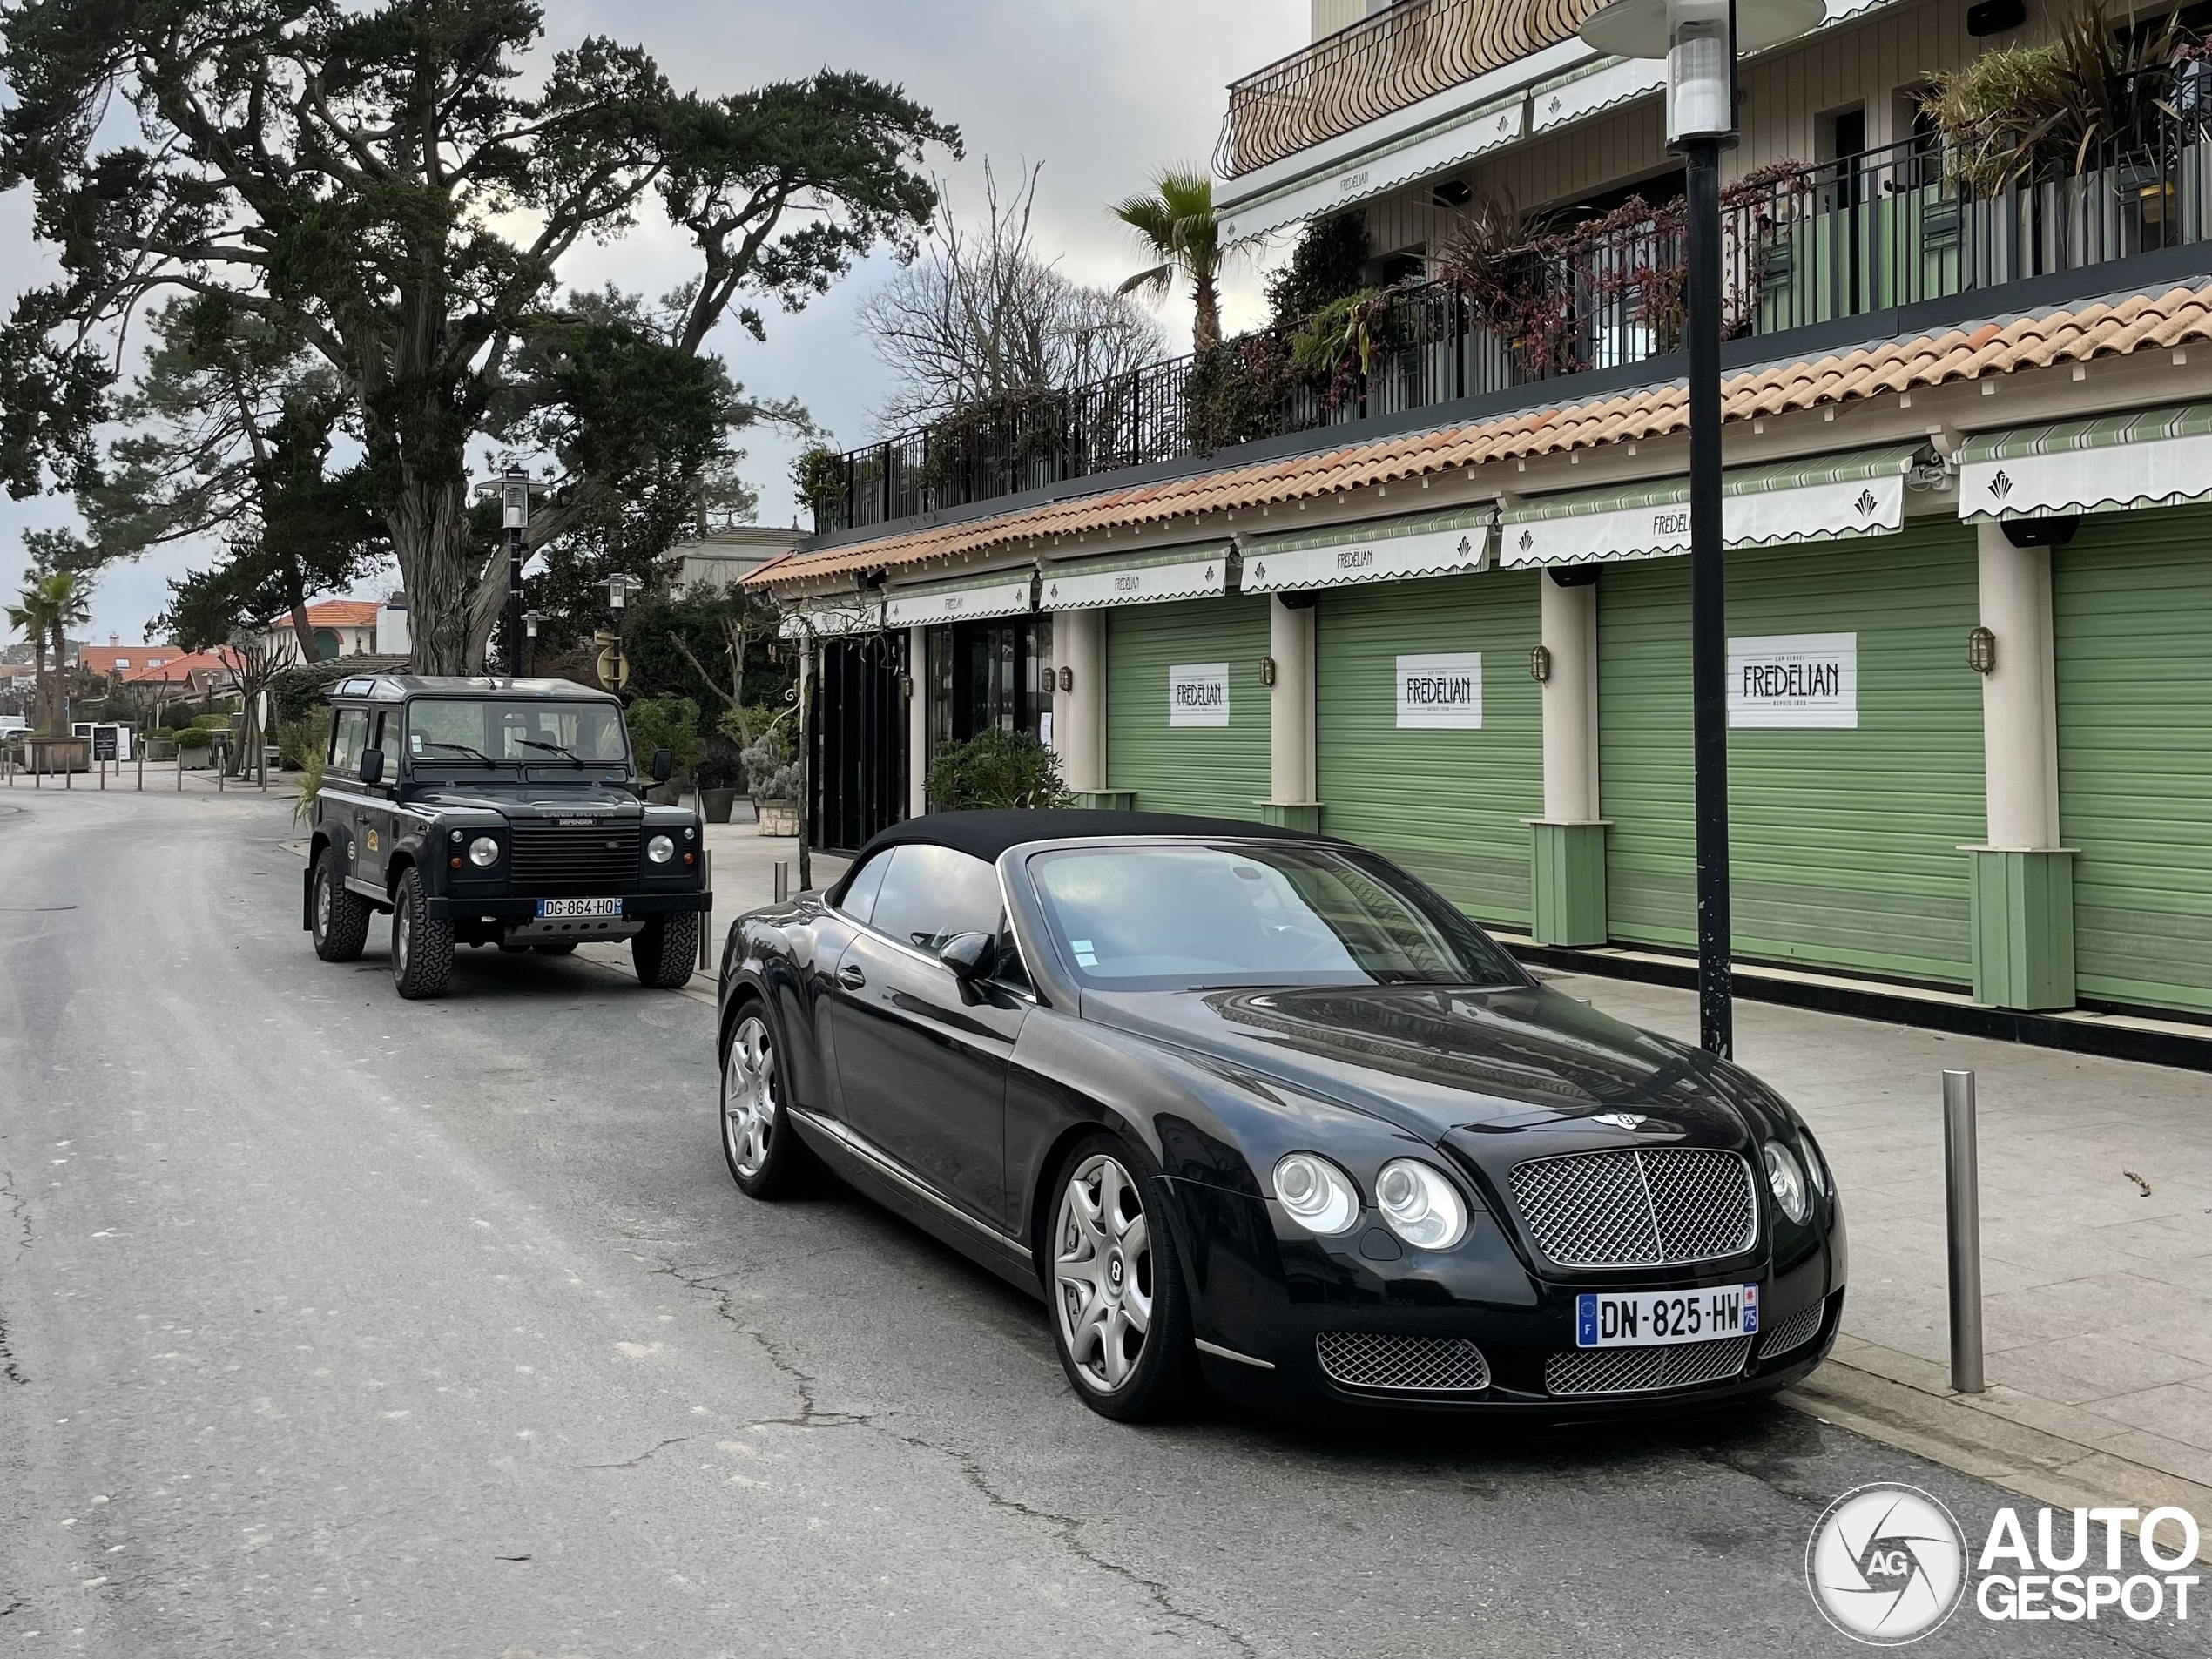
(1402, 55)
(1809, 245)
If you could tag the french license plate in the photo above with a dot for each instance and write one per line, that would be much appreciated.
(557, 909)
(1648, 1318)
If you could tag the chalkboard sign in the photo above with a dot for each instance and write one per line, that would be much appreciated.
(103, 743)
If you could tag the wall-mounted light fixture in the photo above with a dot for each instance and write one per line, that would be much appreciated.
(1540, 664)
(1067, 679)
(1981, 650)
(905, 685)
(1267, 670)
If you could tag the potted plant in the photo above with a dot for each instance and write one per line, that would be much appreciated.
(720, 775)
(772, 775)
(161, 743)
(195, 748)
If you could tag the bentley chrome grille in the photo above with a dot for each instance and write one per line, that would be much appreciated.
(1655, 1207)
(574, 860)
(1402, 1365)
(1644, 1371)
(1794, 1331)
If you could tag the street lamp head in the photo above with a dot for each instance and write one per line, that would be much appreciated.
(512, 488)
(530, 619)
(1700, 39)
(620, 587)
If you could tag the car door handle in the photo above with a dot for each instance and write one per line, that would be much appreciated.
(851, 977)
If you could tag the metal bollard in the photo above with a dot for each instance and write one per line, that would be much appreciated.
(783, 883)
(102, 765)
(1963, 1190)
(138, 752)
(180, 769)
(706, 916)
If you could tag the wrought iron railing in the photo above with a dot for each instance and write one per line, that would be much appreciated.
(1810, 246)
(1399, 55)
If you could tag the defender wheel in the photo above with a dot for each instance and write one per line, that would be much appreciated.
(767, 1158)
(1121, 1317)
(340, 918)
(666, 949)
(555, 948)
(421, 947)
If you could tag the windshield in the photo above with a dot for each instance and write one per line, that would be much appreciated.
(491, 731)
(1188, 918)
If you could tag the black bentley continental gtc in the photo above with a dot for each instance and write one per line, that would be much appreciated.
(1257, 1106)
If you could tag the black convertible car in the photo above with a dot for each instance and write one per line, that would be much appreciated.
(1258, 1106)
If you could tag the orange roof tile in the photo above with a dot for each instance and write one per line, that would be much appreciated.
(2180, 316)
(341, 613)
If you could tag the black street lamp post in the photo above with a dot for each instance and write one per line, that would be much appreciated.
(1699, 39)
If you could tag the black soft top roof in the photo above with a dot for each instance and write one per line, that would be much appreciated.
(985, 835)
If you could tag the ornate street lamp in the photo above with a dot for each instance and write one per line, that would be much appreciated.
(512, 490)
(1700, 40)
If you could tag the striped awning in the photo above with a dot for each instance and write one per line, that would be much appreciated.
(1375, 550)
(1001, 593)
(847, 614)
(1197, 571)
(2151, 458)
(1827, 499)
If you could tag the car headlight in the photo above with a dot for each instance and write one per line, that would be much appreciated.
(1419, 1205)
(483, 852)
(660, 849)
(1817, 1166)
(1787, 1178)
(1316, 1194)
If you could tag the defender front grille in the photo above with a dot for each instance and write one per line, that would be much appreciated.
(1402, 1365)
(1644, 1371)
(1661, 1207)
(1794, 1331)
(557, 859)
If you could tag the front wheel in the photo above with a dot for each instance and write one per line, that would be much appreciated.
(665, 950)
(422, 946)
(766, 1158)
(340, 917)
(1121, 1317)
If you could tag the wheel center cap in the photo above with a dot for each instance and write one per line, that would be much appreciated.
(1114, 1269)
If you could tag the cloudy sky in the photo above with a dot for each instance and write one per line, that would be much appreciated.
(1100, 93)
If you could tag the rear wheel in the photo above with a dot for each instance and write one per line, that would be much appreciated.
(765, 1157)
(340, 918)
(666, 949)
(422, 946)
(1120, 1315)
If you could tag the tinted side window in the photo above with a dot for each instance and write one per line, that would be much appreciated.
(348, 736)
(932, 894)
(860, 898)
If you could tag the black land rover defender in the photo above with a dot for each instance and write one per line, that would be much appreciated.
(495, 811)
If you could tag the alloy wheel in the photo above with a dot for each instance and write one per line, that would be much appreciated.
(749, 1096)
(1103, 1276)
(322, 904)
(403, 936)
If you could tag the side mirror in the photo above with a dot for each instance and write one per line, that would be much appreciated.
(664, 764)
(372, 766)
(971, 957)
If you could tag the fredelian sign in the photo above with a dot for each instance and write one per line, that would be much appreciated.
(1440, 691)
(1794, 680)
(1199, 694)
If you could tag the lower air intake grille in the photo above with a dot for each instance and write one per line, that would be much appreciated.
(1794, 1331)
(1403, 1365)
(1643, 1371)
(564, 860)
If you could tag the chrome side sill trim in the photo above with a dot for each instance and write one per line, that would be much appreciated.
(882, 1164)
(1220, 1353)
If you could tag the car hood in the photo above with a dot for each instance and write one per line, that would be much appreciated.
(1435, 1059)
(532, 800)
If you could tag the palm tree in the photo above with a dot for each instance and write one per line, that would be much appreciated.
(51, 606)
(1176, 224)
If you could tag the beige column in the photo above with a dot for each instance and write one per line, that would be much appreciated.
(1290, 719)
(1567, 845)
(917, 722)
(1079, 699)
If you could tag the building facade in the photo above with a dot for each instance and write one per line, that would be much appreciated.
(1446, 612)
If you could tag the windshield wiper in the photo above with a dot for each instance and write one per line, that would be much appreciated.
(555, 748)
(459, 748)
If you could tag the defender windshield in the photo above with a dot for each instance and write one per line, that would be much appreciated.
(1188, 918)
(479, 732)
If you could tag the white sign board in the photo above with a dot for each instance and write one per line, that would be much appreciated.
(1199, 694)
(1440, 691)
(1794, 680)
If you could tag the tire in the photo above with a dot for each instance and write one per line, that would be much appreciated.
(767, 1158)
(340, 918)
(555, 948)
(1120, 1316)
(421, 947)
(666, 950)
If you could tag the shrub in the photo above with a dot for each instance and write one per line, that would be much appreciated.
(770, 773)
(305, 741)
(818, 478)
(996, 769)
(670, 722)
(309, 786)
(196, 737)
(721, 764)
(211, 722)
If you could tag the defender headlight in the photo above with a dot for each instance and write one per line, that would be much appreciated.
(1786, 1177)
(483, 852)
(660, 849)
(1421, 1206)
(1316, 1194)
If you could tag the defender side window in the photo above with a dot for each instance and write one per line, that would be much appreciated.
(348, 738)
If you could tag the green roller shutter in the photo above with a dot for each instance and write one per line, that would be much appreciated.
(1221, 771)
(1843, 843)
(2132, 612)
(1452, 806)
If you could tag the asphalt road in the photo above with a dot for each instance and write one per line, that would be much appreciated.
(333, 1324)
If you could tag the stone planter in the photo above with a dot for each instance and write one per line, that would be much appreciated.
(198, 760)
(716, 804)
(778, 817)
(161, 748)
